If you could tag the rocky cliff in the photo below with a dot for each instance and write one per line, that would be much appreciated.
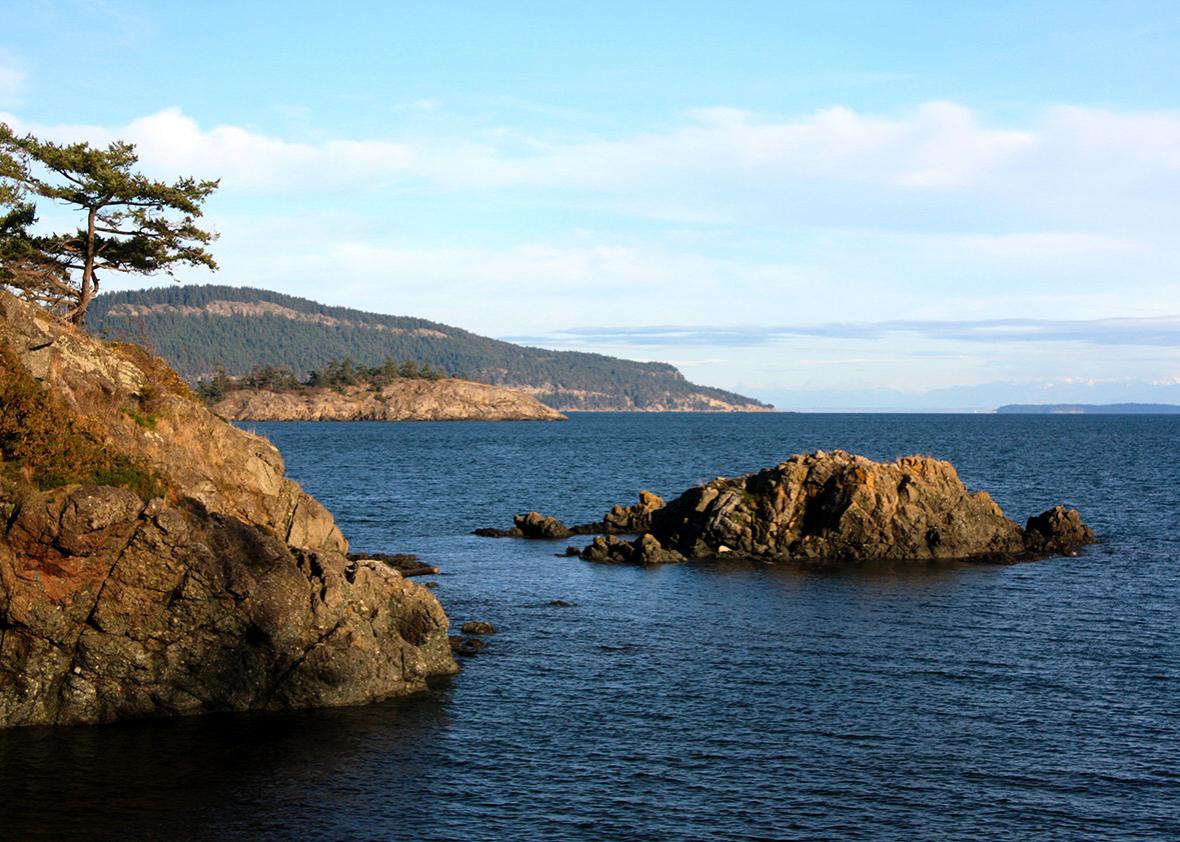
(401, 400)
(154, 560)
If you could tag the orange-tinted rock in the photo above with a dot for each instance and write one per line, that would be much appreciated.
(231, 593)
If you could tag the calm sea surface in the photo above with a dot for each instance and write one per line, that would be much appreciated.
(697, 701)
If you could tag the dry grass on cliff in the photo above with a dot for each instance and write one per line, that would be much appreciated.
(44, 444)
(157, 372)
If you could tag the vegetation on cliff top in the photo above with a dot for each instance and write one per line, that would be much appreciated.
(337, 375)
(45, 444)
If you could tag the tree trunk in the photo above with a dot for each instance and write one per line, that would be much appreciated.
(86, 289)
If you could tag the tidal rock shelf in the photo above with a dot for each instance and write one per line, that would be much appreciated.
(838, 507)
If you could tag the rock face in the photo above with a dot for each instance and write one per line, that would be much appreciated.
(840, 507)
(402, 400)
(230, 592)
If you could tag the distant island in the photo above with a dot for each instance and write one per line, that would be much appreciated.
(1089, 409)
(203, 330)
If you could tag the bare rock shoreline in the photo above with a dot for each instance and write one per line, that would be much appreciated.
(402, 400)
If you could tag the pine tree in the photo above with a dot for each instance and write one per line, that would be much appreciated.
(131, 223)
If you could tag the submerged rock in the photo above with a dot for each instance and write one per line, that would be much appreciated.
(840, 507)
(467, 646)
(228, 591)
(478, 627)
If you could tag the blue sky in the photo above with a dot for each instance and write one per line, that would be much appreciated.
(924, 205)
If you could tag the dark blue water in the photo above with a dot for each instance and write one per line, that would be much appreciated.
(697, 701)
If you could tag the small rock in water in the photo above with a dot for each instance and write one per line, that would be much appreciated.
(560, 603)
(478, 627)
(539, 526)
(466, 646)
(491, 532)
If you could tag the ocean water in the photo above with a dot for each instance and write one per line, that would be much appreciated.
(735, 701)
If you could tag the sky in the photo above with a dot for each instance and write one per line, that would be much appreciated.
(841, 205)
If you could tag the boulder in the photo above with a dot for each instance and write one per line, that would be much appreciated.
(539, 526)
(1057, 531)
(634, 519)
(478, 627)
(646, 549)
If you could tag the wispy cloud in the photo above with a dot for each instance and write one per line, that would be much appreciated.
(1163, 331)
(1066, 163)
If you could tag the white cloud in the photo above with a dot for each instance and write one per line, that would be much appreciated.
(169, 142)
(1070, 162)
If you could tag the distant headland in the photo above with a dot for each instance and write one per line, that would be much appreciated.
(1089, 409)
(201, 330)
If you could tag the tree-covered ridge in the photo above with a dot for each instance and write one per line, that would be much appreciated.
(193, 329)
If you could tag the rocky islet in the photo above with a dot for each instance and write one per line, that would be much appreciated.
(830, 507)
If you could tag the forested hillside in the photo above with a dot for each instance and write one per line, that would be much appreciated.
(201, 329)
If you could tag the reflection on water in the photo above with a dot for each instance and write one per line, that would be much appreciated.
(245, 775)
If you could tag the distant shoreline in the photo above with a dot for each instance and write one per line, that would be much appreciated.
(1089, 409)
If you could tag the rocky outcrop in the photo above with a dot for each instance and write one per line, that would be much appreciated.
(231, 591)
(1059, 531)
(401, 400)
(646, 549)
(620, 520)
(840, 507)
(634, 519)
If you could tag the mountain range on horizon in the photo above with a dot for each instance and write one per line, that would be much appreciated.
(200, 330)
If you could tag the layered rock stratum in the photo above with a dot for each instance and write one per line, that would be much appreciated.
(402, 400)
(208, 581)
